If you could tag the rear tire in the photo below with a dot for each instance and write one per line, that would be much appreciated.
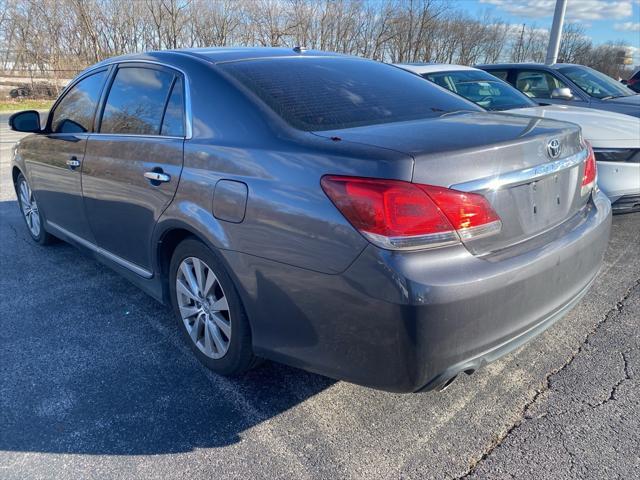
(209, 310)
(31, 214)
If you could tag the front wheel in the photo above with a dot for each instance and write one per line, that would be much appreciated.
(31, 213)
(208, 309)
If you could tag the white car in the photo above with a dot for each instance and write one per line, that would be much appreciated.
(615, 137)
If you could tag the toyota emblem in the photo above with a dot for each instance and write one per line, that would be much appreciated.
(554, 149)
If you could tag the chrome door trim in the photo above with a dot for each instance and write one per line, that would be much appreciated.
(105, 253)
(157, 176)
(521, 177)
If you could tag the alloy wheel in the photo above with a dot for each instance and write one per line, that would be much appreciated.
(29, 208)
(203, 307)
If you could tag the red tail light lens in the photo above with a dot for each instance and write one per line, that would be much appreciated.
(400, 215)
(590, 172)
(467, 212)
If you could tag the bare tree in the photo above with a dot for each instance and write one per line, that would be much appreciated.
(575, 44)
(59, 37)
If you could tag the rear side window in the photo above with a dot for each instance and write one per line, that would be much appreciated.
(136, 101)
(75, 112)
(482, 89)
(331, 93)
(501, 74)
(173, 121)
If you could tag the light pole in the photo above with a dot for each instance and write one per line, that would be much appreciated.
(556, 32)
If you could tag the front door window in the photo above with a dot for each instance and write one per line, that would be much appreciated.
(537, 84)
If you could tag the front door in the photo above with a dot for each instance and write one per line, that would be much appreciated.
(133, 163)
(54, 159)
(539, 86)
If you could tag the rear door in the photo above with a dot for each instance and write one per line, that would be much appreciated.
(54, 159)
(133, 163)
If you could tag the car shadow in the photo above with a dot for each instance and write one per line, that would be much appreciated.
(91, 365)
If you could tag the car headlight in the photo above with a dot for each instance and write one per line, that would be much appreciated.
(629, 155)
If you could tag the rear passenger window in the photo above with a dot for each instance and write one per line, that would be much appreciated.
(173, 122)
(501, 74)
(136, 101)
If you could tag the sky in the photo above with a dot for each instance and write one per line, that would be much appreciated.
(604, 20)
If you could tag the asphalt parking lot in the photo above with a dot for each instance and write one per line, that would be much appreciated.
(95, 382)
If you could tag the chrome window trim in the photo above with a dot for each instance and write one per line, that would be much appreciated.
(521, 177)
(101, 251)
(92, 134)
(187, 96)
(139, 135)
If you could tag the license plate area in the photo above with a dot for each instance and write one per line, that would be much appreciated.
(546, 202)
(530, 209)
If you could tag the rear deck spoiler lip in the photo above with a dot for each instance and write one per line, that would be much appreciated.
(523, 176)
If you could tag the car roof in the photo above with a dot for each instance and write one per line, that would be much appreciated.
(225, 54)
(555, 66)
(433, 67)
(222, 54)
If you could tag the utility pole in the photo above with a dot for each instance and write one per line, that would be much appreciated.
(520, 50)
(556, 32)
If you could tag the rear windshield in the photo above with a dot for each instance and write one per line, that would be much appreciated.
(328, 93)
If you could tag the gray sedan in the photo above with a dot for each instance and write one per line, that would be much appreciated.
(568, 84)
(329, 212)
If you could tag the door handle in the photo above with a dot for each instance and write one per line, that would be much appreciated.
(73, 162)
(157, 176)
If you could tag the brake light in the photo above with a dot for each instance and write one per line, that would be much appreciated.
(590, 172)
(469, 213)
(400, 215)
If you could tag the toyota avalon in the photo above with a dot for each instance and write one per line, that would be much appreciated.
(329, 212)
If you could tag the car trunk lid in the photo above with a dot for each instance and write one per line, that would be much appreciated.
(507, 158)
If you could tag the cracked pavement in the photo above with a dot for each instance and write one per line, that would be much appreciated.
(95, 382)
(584, 423)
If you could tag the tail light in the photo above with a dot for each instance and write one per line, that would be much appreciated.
(400, 215)
(590, 172)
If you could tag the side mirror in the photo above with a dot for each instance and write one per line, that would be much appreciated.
(27, 121)
(562, 93)
(624, 82)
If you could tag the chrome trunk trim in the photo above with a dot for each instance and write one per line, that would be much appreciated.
(521, 177)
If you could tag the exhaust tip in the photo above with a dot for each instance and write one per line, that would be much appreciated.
(446, 384)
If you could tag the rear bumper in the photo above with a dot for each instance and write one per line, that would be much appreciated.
(409, 321)
(626, 204)
(497, 351)
(619, 180)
